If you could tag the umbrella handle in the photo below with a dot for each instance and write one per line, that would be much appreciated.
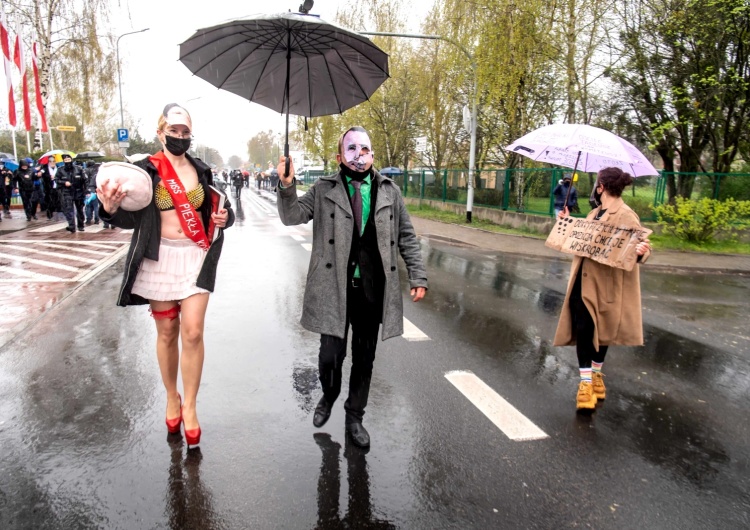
(286, 166)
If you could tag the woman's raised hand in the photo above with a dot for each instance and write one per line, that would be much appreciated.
(643, 247)
(110, 195)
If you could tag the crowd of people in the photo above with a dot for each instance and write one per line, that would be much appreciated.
(50, 188)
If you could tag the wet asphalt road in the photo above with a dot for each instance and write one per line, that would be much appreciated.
(85, 446)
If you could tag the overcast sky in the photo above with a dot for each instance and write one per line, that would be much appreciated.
(153, 76)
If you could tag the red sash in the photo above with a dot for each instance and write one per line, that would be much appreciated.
(189, 218)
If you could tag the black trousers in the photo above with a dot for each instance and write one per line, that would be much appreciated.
(583, 326)
(364, 318)
(73, 210)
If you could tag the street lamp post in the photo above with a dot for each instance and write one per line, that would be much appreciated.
(119, 81)
(474, 100)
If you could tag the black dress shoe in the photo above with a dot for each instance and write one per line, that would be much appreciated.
(322, 413)
(70, 229)
(358, 435)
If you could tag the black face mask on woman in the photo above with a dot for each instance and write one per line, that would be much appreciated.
(177, 146)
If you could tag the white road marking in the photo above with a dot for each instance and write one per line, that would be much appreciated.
(26, 276)
(109, 246)
(307, 246)
(297, 238)
(50, 228)
(413, 333)
(86, 275)
(43, 263)
(505, 416)
(94, 229)
(52, 254)
(68, 247)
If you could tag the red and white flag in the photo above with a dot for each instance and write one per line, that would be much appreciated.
(39, 102)
(6, 59)
(19, 57)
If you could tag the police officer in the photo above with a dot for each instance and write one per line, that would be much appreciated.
(25, 179)
(72, 182)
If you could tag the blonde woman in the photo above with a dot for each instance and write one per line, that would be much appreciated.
(172, 264)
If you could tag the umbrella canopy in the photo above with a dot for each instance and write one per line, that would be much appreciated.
(582, 147)
(57, 154)
(290, 62)
(390, 171)
(90, 154)
(9, 163)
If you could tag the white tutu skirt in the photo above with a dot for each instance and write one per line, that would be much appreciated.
(173, 277)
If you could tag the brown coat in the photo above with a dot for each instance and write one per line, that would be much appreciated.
(612, 296)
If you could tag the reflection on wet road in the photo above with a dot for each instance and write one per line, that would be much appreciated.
(81, 408)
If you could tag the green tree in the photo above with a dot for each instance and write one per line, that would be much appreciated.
(263, 148)
(235, 162)
(138, 144)
(390, 114)
(77, 68)
(321, 138)
(685, 76)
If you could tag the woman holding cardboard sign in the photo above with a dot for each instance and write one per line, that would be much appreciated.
(603, 304)
(172, 261)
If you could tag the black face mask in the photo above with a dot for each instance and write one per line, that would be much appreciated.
(596, 199)
(177, 146)
(68, 165)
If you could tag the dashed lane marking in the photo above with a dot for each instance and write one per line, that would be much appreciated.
(297, 237)
(307, 246)
(412, 333)
(505, 416)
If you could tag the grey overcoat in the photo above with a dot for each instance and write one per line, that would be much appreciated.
(324, 306)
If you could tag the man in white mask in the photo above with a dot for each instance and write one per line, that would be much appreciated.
(361, 226)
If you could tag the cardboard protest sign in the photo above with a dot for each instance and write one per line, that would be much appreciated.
(603, 242)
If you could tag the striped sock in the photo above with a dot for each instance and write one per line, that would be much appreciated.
(597, 367)
(585, 375)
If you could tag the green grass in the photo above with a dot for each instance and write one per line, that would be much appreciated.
(659, 242)
(669, 242)
(434, 214)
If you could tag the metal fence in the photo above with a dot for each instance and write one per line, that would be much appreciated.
(529, 190)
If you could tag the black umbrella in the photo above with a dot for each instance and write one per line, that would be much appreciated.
(289, 62)
(90, 154)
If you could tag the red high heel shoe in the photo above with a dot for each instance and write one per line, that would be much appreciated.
(173, 425)
(192, 436)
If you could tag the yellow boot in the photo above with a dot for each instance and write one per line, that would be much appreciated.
(600, 391)
(585, 399)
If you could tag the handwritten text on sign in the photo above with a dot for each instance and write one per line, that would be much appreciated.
(603, 242)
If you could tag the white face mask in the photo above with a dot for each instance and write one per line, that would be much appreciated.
(357, 151)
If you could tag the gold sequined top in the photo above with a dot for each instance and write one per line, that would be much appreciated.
(164, 200)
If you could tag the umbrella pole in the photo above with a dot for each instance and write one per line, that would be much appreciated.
(288, 67)
(575, 168)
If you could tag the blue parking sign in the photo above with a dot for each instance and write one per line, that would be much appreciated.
(122, 135)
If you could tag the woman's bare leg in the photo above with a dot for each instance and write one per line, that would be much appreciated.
(191, 333)
(167, 352)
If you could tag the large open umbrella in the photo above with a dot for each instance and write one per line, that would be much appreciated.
(57, 154)
(90, 154)
(582, 147)
(290, 62)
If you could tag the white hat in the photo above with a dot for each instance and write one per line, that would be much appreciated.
(176, 115)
